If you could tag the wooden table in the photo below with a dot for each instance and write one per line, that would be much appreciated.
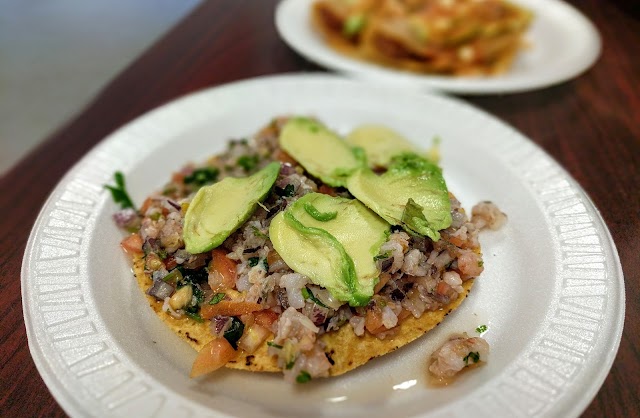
(590, 125)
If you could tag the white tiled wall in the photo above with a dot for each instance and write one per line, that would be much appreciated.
(55, 55)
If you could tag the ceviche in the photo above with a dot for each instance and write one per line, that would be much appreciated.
(301, 251)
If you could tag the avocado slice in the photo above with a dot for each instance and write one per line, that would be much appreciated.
(333, 241)
(379, 143)
(320, 151)
(411, 193)
(218, 210)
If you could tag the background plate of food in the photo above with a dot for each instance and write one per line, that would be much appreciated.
(550, 301)
(462, 47)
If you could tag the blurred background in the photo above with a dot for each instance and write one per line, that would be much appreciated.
(56, 55)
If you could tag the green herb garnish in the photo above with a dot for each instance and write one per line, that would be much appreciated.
(382, 256)
(234, 332)
(248, 162)
(481, 329)
(288, 190)
(258, 233)
(480, 263)
(216, 298)
(195, 316)
(303, 377)
(173, 277)
(474, 355)
(265, 264)
(119, 191)
(317, 215)
(274, 345)
(202, 176)
(308, 294)
(253, 261)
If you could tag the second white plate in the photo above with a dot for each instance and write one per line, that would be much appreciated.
(564, 43)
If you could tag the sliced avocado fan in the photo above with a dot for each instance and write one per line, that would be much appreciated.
(379, 143)
(411, 193)
(333, 241)
(321, 152)
(218, 210)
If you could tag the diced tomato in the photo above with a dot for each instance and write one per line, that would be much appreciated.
(384, 279)
(324, 189)
(457, 242)
(222, 271)
(253, 337)
(404, 313)
(443, 289)
(228, 308)
(285, 158)
(145, 205)
(266, 318)
(273, 257)
(170, 263)
(212, 356)
(177, 177)
(132, 244)
(247, 319)
(373, 320)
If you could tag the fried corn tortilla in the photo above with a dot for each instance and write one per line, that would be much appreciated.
(344, 349)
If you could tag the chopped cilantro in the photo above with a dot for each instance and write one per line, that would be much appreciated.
(248, 162)
(480, 263)
(265, 264)
(474, 356)
(288, 190)
(216, 298)
(253, 261)
(234, 332)
(202, 176)
(303, 377)
(481, 329)
(258, 233)
(382, 256)
(195, 316)
(119, 191)
(307, 294)
(274, 345)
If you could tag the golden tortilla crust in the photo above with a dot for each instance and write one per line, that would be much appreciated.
(343, 347)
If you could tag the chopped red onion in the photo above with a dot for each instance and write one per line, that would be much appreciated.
(160, 290)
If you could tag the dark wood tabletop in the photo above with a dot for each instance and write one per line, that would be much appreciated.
(590, 125)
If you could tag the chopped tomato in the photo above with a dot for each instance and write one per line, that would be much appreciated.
(373, 320)
(324, 189)
(222, 271)
(229, 308)
(273, 257)
(145, 205)
(384, 278)
(443, 289)
(266, 318)
(285, 158)
(170, 263)
(404, 313)
(178, 177)
(132, 244)
(253, 337)
(457, 242)
(247, 319)
(212, 356)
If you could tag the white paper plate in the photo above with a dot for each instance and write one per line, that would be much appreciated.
(552, 293)
(564, 43)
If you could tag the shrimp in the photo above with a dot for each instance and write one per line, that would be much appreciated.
(456, 354)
